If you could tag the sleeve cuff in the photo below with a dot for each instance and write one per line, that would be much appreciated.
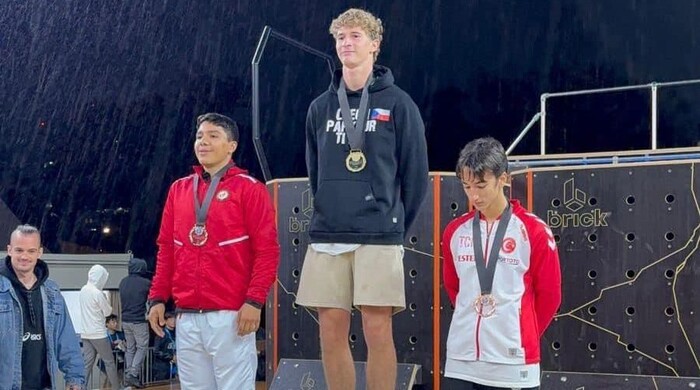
(255, 304)
(153, 302)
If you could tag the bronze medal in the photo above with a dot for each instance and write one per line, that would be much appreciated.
(485, 305)
(198, 235)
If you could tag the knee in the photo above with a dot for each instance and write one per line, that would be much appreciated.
(333, 330)
(332, 337)
(377, 328)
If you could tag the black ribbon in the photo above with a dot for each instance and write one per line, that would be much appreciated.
(202, 210)
(356, 131)
(486, 271)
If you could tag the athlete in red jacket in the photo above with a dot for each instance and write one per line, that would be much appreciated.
(502, 305)
(217, 257)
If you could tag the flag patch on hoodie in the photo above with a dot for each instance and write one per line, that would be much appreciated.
(380, 114)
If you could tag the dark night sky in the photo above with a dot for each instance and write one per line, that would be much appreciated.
(98, 100)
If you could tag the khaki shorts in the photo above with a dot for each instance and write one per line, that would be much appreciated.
(371, 275)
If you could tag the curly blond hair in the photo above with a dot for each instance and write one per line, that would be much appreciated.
(355, 17)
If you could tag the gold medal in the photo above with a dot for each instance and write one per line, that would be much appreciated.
(198, 235)
(356, 161)
(485, 305)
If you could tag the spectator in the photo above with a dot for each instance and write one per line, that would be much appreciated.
(116, 339)
(164, 352)
(94, 308)
(26, 294)
(133, 293)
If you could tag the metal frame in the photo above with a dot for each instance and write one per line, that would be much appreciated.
(259, 50)
(542, 115)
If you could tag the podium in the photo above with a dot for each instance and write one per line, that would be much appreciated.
(307, 374)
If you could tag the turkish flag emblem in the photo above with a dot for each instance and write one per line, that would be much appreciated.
(508, 245)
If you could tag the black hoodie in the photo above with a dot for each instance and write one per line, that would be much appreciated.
(133, 292)
(33, 336)
(378, 204)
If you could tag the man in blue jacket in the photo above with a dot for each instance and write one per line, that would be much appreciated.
(37, 338)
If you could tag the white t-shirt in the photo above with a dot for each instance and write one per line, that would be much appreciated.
(335, 249)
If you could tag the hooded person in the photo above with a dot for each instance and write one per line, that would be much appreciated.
(133, 294)
(94, 308)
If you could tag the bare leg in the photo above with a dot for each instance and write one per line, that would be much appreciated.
(338, 365)
(381, 353)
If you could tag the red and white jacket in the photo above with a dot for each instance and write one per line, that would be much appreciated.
(239, 260)
(526, 286)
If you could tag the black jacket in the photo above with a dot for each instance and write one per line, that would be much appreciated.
(133, 292)
(378, 204)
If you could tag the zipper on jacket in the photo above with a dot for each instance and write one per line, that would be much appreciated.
(198, 293)
(199, 250)
(489, 228)
(478, 325)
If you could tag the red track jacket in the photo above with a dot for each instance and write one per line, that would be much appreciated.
(239, 260)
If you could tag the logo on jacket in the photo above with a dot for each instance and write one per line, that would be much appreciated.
(508, 245)
(337, 126)
(380, 114)
(222, 195)
(465, 242)
(465, 258)
(31, 336)
(574, 200)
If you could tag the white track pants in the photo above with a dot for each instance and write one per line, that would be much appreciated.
(211, 355)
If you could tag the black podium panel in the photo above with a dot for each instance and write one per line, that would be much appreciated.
(585, 381)
(628, 243)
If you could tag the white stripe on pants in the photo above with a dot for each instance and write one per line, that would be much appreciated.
(211, 355)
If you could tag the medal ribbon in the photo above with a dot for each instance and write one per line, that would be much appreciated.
(202, 210)
(356, 131)
(486, 271)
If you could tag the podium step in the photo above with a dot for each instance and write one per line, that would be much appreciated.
(306, 374)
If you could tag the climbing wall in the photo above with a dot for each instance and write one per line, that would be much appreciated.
(628, 239)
